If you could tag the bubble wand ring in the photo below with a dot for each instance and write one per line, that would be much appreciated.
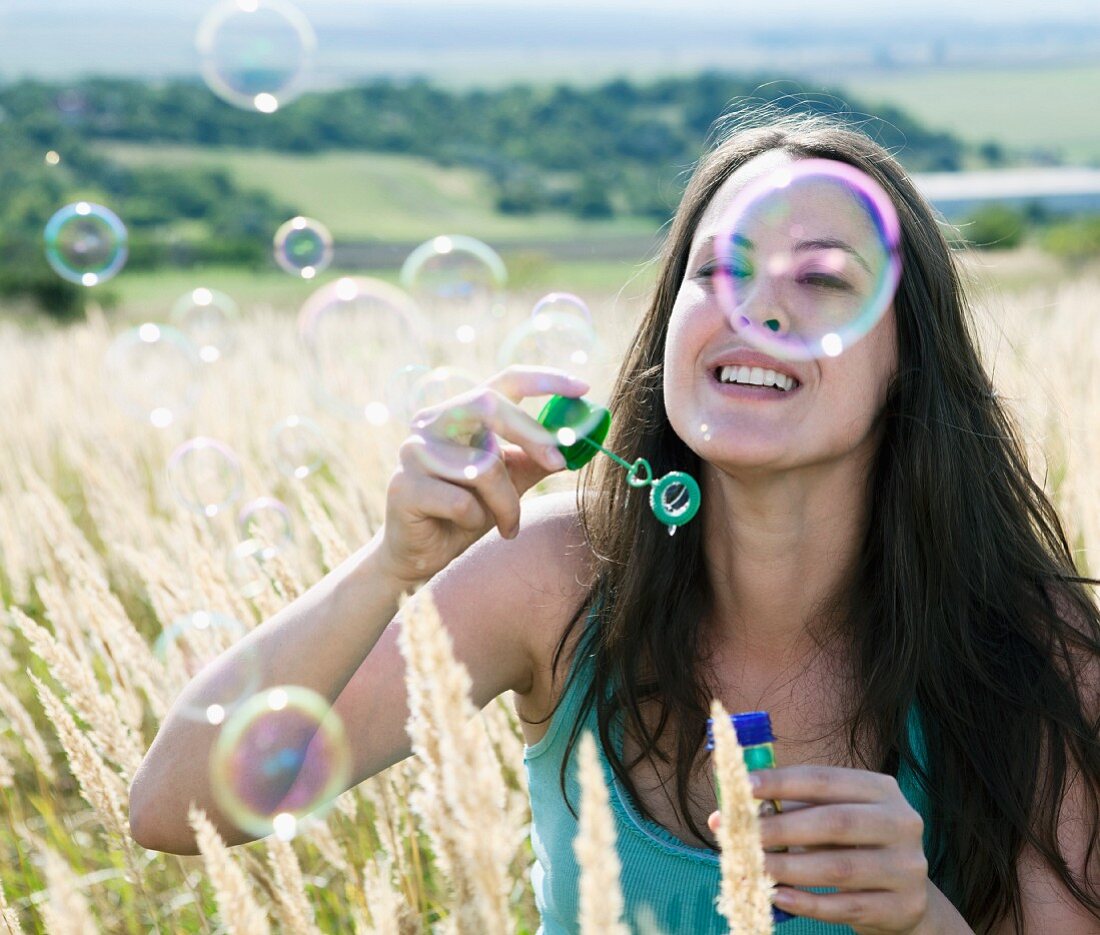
(581, 426)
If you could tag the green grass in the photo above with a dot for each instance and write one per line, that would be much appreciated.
(1034, 107)
(372, 196)
(149, 296)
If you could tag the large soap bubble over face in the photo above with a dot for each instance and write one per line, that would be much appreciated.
(459, 283)
(254, 53)
(807, 259)
(86, 243)
(280, 756)
(354, 332)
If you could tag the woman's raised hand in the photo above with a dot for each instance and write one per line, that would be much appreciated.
(437, 505)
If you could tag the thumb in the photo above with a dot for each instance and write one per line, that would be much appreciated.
(524, 470)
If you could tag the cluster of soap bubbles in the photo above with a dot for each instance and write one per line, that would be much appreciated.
(806, 261)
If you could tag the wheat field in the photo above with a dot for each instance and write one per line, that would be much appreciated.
(97, 560)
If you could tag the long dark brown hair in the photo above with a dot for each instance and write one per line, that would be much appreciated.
(965, 601)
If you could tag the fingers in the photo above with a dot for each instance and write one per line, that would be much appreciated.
(439, 499)
(470, 421)
(516, 383)
(492, 487)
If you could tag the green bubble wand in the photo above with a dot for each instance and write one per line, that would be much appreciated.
(581, 427)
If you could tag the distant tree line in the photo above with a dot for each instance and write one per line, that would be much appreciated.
(615, 148)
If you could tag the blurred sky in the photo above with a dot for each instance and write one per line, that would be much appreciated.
(765, 11)
(490, 41)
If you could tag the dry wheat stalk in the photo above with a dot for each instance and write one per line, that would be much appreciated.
(295, 912)
(101, 787)
(601, 897)
(24, 728)
(387, 907)
(8, 918)
(237, 906)
(461, 791)
(109, 734)
(66, 911)
(745, 898)
(334, 548)
(7, 771)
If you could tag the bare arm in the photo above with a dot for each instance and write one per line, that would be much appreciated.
(337, 638)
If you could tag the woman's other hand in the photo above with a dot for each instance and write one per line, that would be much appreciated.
(853, 830)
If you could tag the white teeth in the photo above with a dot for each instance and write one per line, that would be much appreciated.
(756, 376)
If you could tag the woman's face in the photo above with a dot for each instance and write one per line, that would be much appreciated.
(829, 414)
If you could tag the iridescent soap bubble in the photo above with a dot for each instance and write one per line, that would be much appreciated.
(267, 521)
(439, 385)
(557, 339)
(195, 639)
(298, 447)
(282, 755)
(807, 259)
(245, 567)
(459, 282)
(303, 247)
(562, 303)
(154, 373)
(255, 53)
(400, 388)
(86, 243)
(209, 318)
(354, 331)
(450, 417)
(205, 476)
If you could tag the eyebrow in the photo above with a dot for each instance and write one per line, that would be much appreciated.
(820, 243)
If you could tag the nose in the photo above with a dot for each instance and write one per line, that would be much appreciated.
(762, 306)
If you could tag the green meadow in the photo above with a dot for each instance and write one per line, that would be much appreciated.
(365, 196)
(1048, 108)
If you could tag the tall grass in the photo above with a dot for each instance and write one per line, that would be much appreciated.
(97, 560)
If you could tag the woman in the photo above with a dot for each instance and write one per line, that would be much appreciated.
(872, 564)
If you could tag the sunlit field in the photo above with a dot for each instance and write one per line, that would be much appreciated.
(98, 560)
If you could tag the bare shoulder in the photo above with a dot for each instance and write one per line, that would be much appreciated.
(533, 584)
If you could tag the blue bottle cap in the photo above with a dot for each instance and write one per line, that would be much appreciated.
(752, 727)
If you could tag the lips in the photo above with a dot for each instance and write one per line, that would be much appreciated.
(743, 357)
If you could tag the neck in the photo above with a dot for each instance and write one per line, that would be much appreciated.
(779, 548)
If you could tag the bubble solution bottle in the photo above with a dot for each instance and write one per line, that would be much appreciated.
(754, 733)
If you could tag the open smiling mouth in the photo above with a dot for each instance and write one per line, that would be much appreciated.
(754, 383)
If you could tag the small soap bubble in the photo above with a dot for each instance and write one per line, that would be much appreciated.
(267, 521)
(245, 568)
(281, 756)
(154, 373)
(808, 259)
(556, 339)
(205, 476)
(254, 54)
(439, 385)
(347, 328)
(193, 640)
(303, 247)
(86, 243)
(209, 318)
(298, 446)
(459, 283)
(399, 391)
(450, 415)
(562, 303)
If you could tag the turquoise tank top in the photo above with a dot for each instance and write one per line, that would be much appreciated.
(664, 881)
